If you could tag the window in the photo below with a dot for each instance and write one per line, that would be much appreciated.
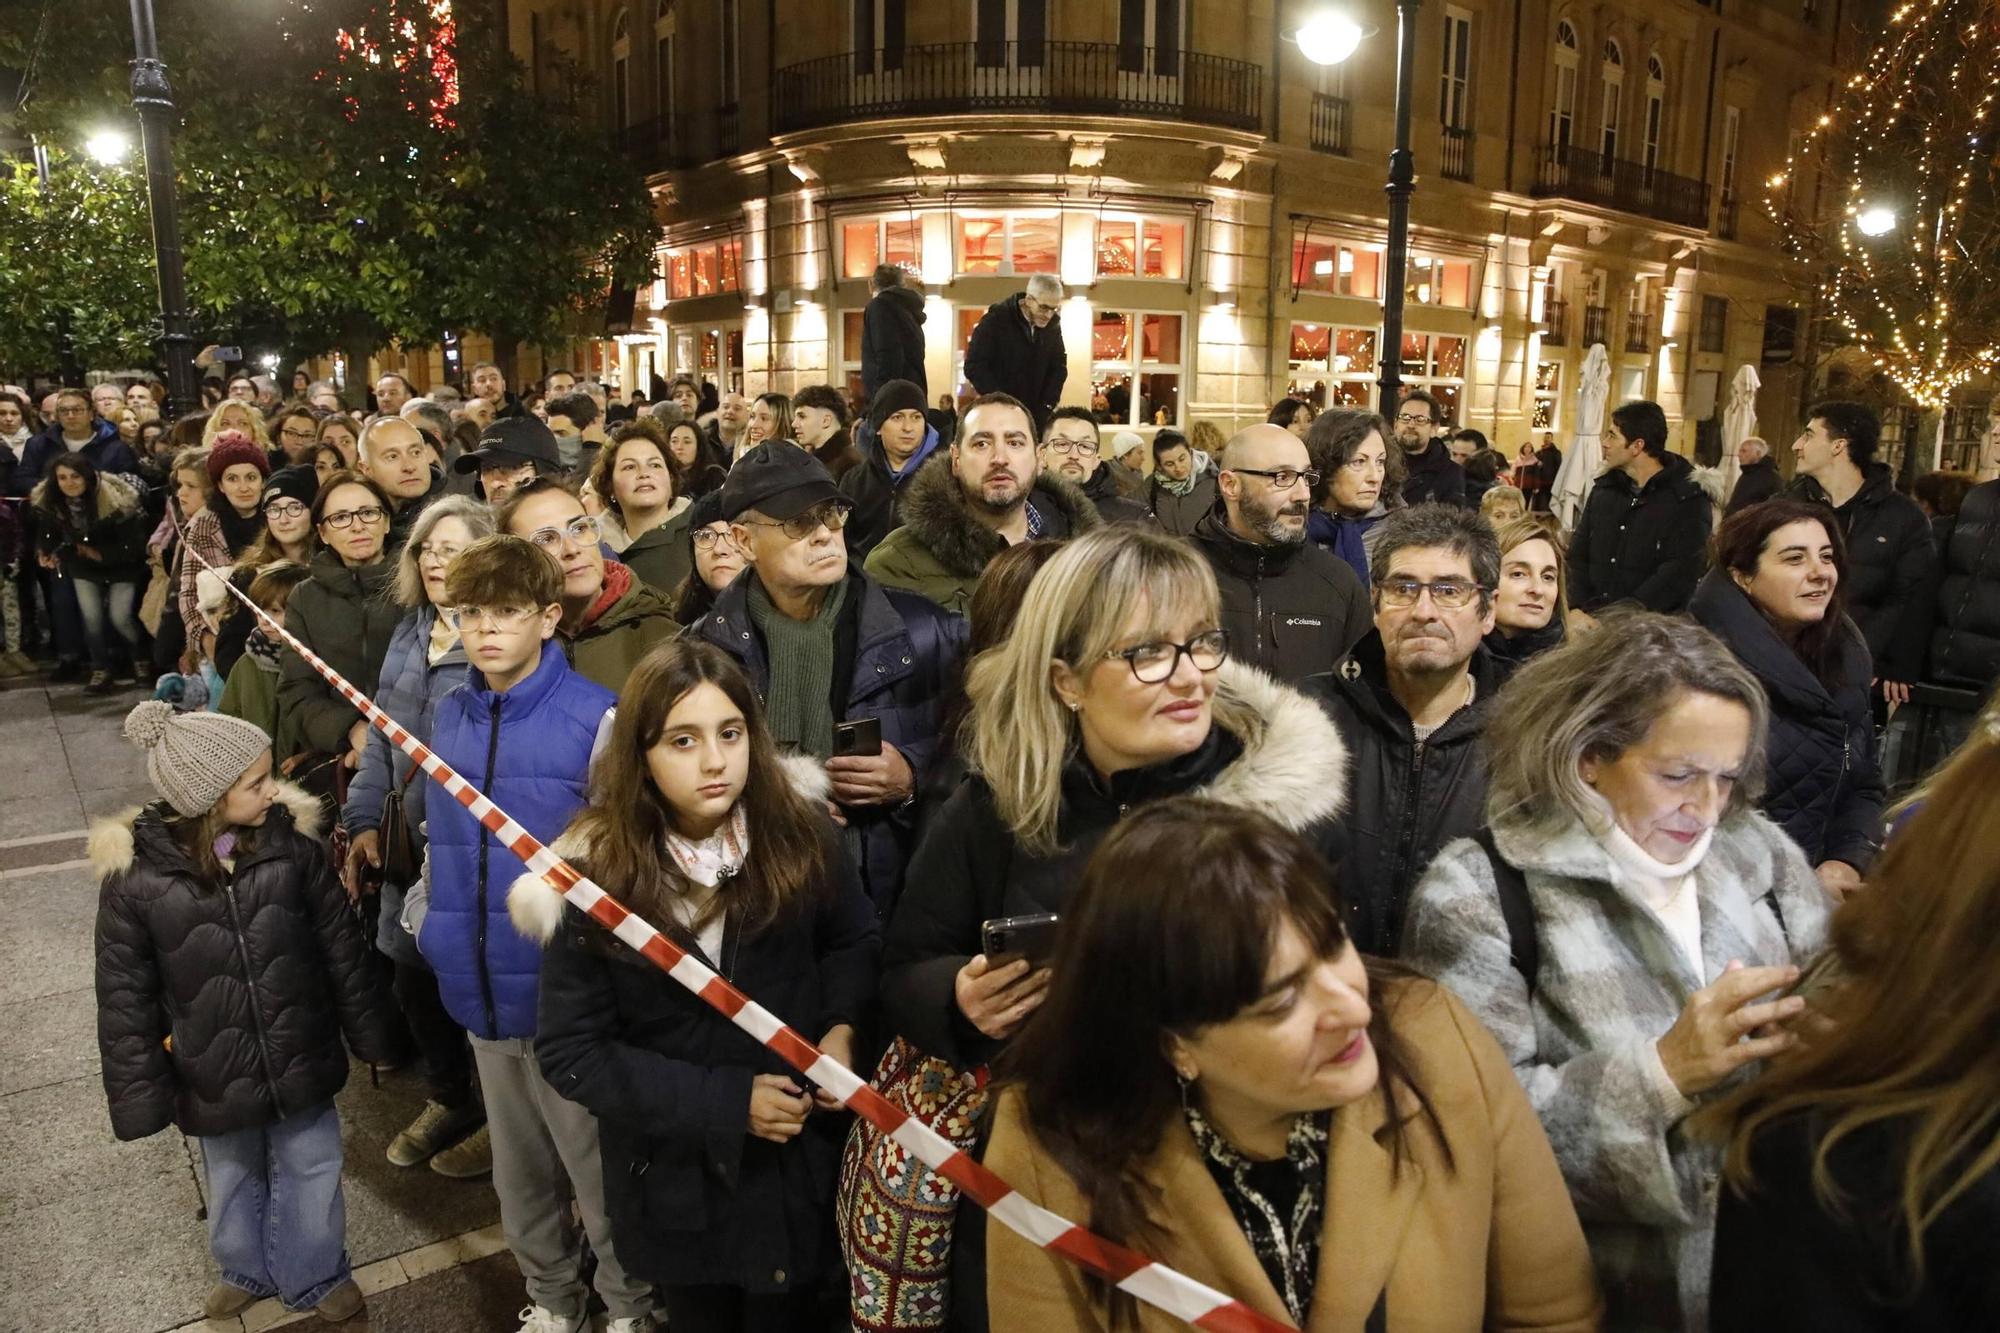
(1781, 333)
(1714, 334)
(1435, 363)
(1010, 243)
(866, 242)
(663, 61)
(1141, 248)
(1440, 282)
(1009, 33)
(705, 269)
(1548, 394)
(1332, 365)
(1456, 72)
(850, 361)
(1135, 367)
(1656, 103)
(731, 73)
(878, 35)
(968, 319)
(1338, 268)
(621, 69)
(1149, 37)
(1614, 90)
(1562, 107)
(1732, 132)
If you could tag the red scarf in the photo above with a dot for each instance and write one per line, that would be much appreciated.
(617, 582)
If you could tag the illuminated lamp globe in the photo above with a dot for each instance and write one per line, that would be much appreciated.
(107, 146)
(1329, 38)
(1877, 221)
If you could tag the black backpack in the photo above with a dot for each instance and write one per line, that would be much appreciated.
(1524, 947)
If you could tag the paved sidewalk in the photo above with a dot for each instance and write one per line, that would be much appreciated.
(101, 1235)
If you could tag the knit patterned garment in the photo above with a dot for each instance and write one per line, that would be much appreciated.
(800, 700)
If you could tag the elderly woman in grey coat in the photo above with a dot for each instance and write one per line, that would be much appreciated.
(1627, 927)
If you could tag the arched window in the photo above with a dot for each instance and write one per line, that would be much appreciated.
(621, 69)
(1614, 91)
(1656, 111)
(1562, 103)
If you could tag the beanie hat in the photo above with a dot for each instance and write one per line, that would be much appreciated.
(194, 759)
(297, 482)
(894, 396)
(1124, 442)
(230, 448)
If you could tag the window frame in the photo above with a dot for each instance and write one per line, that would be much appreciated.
(881, 222)
(1654, 128)
(1008, 217)
(1449, 390)
(1455, 89)
(1562, 101)
(1610, 101)
(1140, 223)
(1136, 366)
(1712, 332)
(1366, 383)
(726, 267)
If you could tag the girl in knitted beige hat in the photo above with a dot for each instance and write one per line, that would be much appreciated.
(228, 969)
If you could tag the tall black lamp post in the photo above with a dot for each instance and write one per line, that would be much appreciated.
(153, 99)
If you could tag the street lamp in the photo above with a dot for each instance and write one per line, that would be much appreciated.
(1329, 38)
(153, 99)
(1876, 220)
(108, 146)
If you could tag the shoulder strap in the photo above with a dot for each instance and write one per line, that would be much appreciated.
(1524, 947)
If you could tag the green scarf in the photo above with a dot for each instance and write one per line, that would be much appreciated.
(799, 701)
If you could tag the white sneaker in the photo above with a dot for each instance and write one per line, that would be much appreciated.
(534, 1319)
(637, 1323)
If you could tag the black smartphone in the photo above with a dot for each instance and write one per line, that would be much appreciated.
(862, 736)
(1009, 938)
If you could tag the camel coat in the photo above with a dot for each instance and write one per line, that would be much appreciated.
(1493, 1244)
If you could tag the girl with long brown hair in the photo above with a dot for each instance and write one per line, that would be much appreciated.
(719, 1161)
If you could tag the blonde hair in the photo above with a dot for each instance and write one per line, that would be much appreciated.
(219, 421)
(1207, 437)
(1494, 494)
(1540, 527)
(1077, 609)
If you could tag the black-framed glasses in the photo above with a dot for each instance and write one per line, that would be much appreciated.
(1153, 663)
(1281, 478)
(1405, 419)
(1447, 594)
(285, 510)
(368, 515)
(833, 514)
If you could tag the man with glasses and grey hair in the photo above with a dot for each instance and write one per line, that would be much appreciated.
(1290, 607)
(1411, 703)
(1428, 470)
(1017, 348)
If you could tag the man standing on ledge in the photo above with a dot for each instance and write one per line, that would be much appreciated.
(1017, 348)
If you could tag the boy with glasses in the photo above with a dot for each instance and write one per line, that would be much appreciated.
(1429, 473)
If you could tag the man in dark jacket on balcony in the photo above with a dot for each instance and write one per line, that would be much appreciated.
(892, 334)
(1017, 348)
(1644, 533)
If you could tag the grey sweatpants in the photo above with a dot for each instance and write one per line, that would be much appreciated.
(538, 1137)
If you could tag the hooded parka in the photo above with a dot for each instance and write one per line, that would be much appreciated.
(892, 340)
(630, 619)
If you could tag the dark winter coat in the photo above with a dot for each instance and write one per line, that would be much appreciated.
(838, 455)
(942, 549)
(892, 340)
(1511, 654)
(1822, 785)
(1114, 503)
(1179, 513)
(693, 1196)
(116, 529)
(877, 493)
(221, 1009)
(1291, 611)
(1406, 798)
(1432, 476)
(345, 616)
(1641, 544)
(661, 557)
(895, 656)
(970, 868)
(1755, 483)
(1007, 354)
(1965, 646)
(105, 450)
(1783, 1260)
(1891, 559)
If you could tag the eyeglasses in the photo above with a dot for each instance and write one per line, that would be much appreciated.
(832, 514)
(296, 436)
(1281, 478)
(347, 518)
(464, 618)
(441, 555)
(579, 531)
(704, 538)
(1446, 594)
(1070, 446)
(1153, 663)
(287, 511)
(1405, 419)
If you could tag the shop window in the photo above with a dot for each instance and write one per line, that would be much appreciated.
(866, 242)
(703, 270)
(1548, 394)
(1010, 243)
(1336, 268)
(1141, 248)
(1435, 363)
(1439, 282)
(850, 361)
(1135, 367)
(1332, 365)
(1714, 323)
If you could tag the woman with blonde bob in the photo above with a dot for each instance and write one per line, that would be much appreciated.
(234, 414)
(1626, 931)
(1530, 607)
(1863, 1174)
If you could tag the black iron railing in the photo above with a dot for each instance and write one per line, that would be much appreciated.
(1596, 319)
(1330, 120)
(1725, 217)
(1455, 153)
(1555, 322)
(1638, 334)
(1071, 78)
(1569, 172)
(687, 139)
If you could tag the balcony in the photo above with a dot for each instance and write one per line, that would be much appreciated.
(1330, 120)
(1638, 336)
(1060, 78)
(1555, 322)
(1455, 153)
(689, 139)
(1595, 320)
(1565, 171)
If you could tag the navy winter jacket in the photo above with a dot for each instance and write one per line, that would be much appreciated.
(106, 452)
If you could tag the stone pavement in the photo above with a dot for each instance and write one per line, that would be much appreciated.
(107, 1236)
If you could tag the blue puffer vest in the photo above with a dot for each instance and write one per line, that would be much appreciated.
(529, 751)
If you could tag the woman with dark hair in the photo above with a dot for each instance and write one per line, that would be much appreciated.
(1776, 597)
(1294, 414)
(1361, 480)
(1221, 1081)
(228, 526)
(91, 531)
(714, 560)
(718, 1176)
(343, 433)
(702, 465)
(638, 482)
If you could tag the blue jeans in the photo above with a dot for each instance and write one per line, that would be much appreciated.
(105, 608)
(277, 1224)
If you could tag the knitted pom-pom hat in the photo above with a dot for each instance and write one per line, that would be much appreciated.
(232, 447)
(193, 759)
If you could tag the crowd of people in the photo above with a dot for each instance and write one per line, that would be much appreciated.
(1290, 852)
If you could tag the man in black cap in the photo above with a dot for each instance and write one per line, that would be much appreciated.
(512, 451)
(825, 646)
(902, 438)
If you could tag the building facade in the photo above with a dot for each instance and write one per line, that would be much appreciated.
(1211, 199)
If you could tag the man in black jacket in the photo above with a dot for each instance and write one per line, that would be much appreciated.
(898, 442)
(1758, 479)
(1017, 348)
(892, 334)
(1890, 552)
(1644, 533)
(1411, 703)
(1429, 473)
(1071, 450)
(1290, 607)
(1965, 646)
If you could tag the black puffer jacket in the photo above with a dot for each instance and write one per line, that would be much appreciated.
(1822, 785)
(1756, 483)
(1432, 476)
(1006, 354)
(222, 1009)
(1292, 611)
(1965, 646)
(892, 340)
(1646, 544)
(1405, 799)
(1114, 502)
(1891, 557)
(345, 616)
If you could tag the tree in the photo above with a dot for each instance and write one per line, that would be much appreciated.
(76, 261)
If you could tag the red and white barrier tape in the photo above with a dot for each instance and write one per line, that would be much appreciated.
(1153, 1283)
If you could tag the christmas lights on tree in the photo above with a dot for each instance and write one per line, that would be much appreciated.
(1891, 198)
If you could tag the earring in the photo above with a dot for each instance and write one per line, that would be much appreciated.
(1076, 705)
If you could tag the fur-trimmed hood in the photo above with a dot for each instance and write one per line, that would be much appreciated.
(1295, 771)
(113, 843)
(537, 909)
(117, 498)
(934, 510)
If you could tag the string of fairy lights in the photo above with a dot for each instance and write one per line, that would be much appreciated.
(1905, 220)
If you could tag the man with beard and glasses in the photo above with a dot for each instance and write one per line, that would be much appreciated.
(1070, 449)
(1428, 470)
(1411, 703)
(1289, 606)
(986, 494)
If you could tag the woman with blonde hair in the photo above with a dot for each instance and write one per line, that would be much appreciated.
(1530, 606)
(234, 414)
